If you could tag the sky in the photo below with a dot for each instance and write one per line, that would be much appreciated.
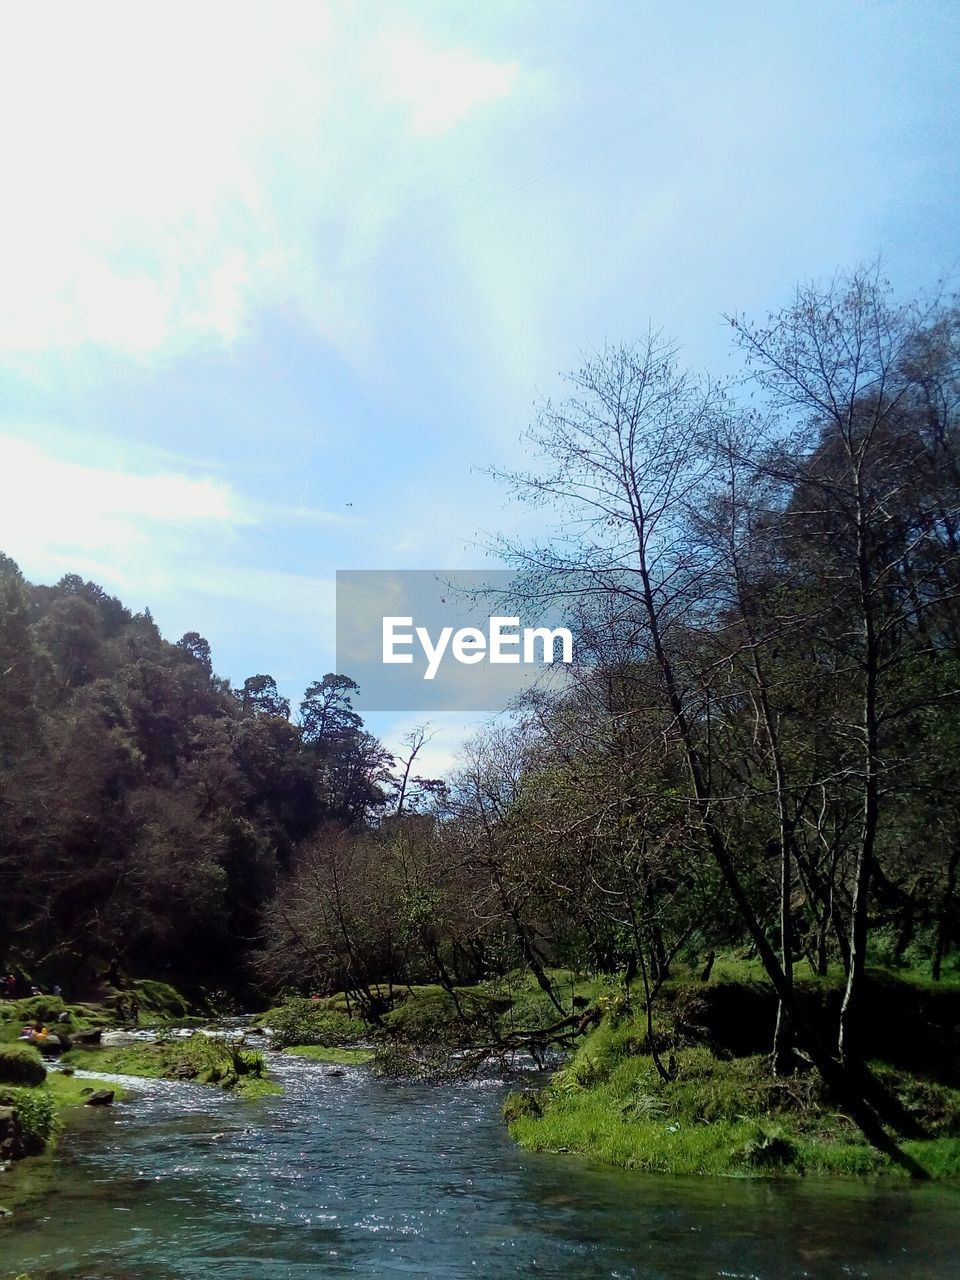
(280, 281)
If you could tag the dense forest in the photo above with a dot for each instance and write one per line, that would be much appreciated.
(149, 812)
(757, 752)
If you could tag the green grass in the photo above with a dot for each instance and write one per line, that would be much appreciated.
(41, 1107)
(159, 1002)
(16, 1014)
(427, 1014)
(252, 1087)
(711, 1122)
(300, 1020)
(43, 1110)
(36, 1115)
(68, 1091)
(335, 1056)
(718, 1113)
(153, 1062)
(203, 1059)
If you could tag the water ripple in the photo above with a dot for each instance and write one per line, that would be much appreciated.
(349, 1176)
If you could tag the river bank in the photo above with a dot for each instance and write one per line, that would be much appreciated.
(351, 1175)
(339, 1170)
(707, 1101)
(45, 1039)
(207, 1059)
(700, 1098)
(693, 1092)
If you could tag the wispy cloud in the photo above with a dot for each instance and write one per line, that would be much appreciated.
(54, 508)
(173, 541)
(168, 170)
(440, 87)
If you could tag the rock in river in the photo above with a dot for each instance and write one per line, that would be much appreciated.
(101, 1098)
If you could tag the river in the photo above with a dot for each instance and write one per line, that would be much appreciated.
(350, 1176)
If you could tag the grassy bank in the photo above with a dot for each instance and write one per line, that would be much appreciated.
(334, 1056)
(159, 1003)
(43, 1112)
(39, 1102)
(204, 1059)
(424, 1014)
(721, 1111)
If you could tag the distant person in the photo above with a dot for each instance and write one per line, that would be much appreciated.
(57, 989)
(10, 987)
(134, 1009)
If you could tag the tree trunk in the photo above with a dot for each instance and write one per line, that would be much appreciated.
(945, 922)
(850, 1038)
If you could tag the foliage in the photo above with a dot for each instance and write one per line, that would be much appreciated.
(145, 810)
(161, 998)
(300, 1021)
(520, 1105)
(752, 773)
(401, 1060)
(432, 1016)
(206, 1059)
(36, 1114)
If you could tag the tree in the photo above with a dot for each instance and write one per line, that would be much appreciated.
(872, 520)
(259, 697)
(628, 467)
(193, 645)
(326, 712)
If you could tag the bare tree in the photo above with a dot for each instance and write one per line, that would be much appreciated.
(837, 365)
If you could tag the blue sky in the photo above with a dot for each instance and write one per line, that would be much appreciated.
(278, 280)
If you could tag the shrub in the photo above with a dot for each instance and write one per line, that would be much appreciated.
(247, 1063)
(398, 1060)
(430, 1016)
(42, 1008)
(302, 1021)
(766, 1150)
(519, 1105)
(214, 1060)
(531, 1010)
(21, 1064)
(36, 1116)
(160, 998)
(395, 1061)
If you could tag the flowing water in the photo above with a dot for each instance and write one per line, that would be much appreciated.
(349, 1176)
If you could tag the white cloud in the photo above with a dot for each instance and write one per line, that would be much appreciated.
(116, 520)
(127, 134)
(165, 168)
(440, 86)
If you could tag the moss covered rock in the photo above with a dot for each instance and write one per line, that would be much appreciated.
(21, 1064)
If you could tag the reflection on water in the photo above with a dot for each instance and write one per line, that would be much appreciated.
(345, 1175)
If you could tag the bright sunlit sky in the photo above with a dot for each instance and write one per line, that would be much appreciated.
(278, 279)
